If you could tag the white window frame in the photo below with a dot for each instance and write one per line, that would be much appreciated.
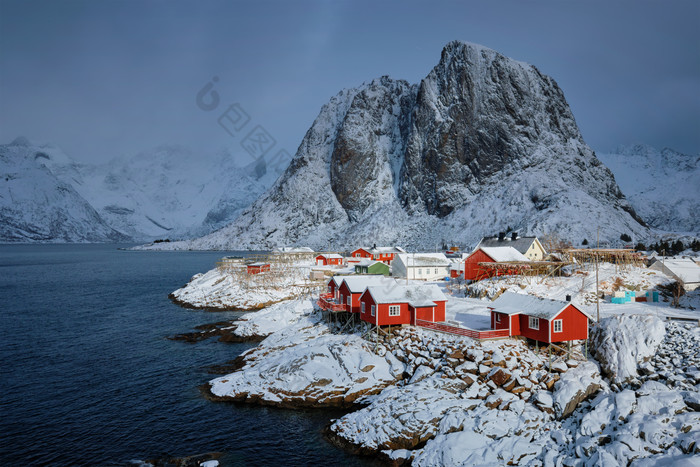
(533, 323)
(349, 300)
(362, 308)
(436, 271)
(394, 310)
(558, 323)
(357, 255)
(420, 272)
(498, 317)
(373, 310)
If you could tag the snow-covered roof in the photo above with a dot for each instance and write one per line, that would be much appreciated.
(367, 262)
(294, 249)
(388, 249)
(330, 255)
(337, 279)
(424, 259)
(414, 295)
(514, 303)
(684, 269)
(504, 253)
(522, 244)
(258, 264)
(357, 284)
(457, 266)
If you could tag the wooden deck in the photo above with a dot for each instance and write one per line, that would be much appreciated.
(481, 335)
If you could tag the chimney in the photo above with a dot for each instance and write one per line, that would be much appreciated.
(514, 236)
(568, 298)
(501, 236)
(374, 247)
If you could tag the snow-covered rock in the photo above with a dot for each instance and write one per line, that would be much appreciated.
(304, 365)
(620, 343)
(575, 386)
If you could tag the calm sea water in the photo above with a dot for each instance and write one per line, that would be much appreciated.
(89, 378)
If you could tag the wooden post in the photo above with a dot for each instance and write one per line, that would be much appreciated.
(549, 351)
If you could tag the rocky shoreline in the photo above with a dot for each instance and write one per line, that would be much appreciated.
(419, 397)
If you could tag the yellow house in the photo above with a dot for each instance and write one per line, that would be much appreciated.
(528, 246)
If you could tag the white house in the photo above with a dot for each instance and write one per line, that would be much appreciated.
(422, 266)
(530, 247)
(684, 270)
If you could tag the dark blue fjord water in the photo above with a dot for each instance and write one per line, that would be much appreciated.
(87, 376)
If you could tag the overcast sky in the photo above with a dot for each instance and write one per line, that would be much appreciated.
(107, 78)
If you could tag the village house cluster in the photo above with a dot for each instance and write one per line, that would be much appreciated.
(407, 297)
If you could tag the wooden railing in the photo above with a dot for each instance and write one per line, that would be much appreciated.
(330, 305)
(492, 334)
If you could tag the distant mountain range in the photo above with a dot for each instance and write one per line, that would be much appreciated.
(482, 144)
(168, 192)
(662, 186)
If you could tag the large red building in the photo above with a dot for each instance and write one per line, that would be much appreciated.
(402, 304)
(539, 319)
(472, 270)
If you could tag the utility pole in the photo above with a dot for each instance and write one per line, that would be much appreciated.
(597, 294)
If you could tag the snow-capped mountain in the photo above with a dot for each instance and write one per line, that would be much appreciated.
(663, 186)
(36, 206)
(167, 192)
(482, 143)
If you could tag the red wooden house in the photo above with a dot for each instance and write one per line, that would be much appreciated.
(329, 259)
(385, 254)
(456, 269)
(361, 253)
(402, 304)
(257, 268)
(539, 319)
(353, 287)
(472, 271)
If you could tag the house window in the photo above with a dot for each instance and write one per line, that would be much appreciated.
(534, 323)
(357, 255)
(349, 300)
(394, 310)
(372, 310)
(362, 308)
(557, 325)
(330, 289)
(498, 317)
(420, 272)
(436, 270)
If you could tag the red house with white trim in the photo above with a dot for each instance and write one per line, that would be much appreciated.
(361, 252)
(329, 259)
(472, 271)
(540, 319)
(353, 287)
(257, 268)
(402, 304)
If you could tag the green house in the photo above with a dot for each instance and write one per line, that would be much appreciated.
(371, 267)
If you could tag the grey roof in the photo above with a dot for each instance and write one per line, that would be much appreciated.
(358, 284)
(521, 243)
(514, 303)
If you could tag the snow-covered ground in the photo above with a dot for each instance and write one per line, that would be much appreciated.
(439, 399)
(232, 288)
